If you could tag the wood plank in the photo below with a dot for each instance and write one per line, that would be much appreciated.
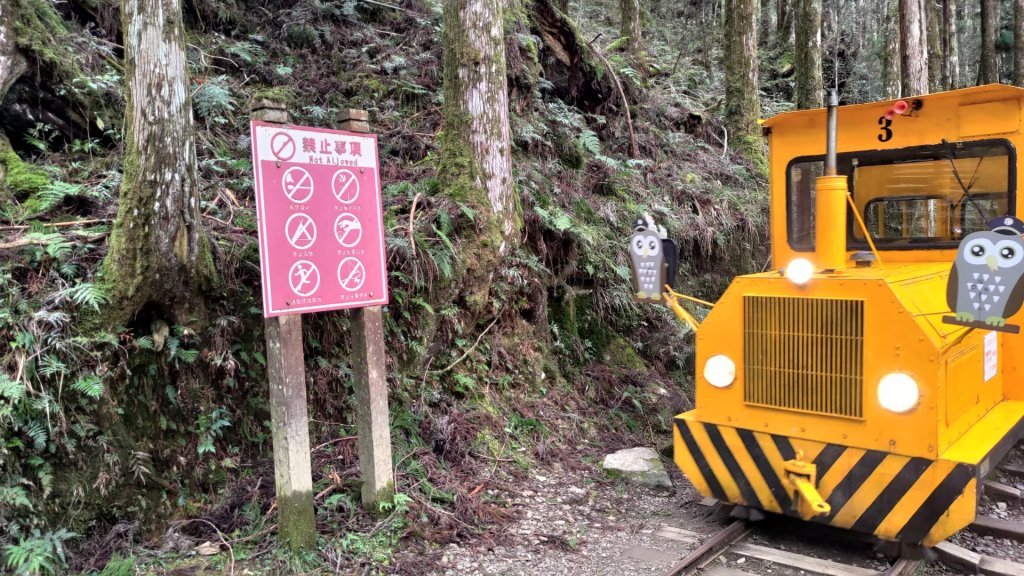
(989, 526)
(799, 561)
(994, 489)
(958, 557)
(709, 502)
(903, 567)
(1012, 468)
(677, 534)
(999, 567)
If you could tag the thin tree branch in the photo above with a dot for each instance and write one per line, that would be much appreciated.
(634, 152)
(471, 348)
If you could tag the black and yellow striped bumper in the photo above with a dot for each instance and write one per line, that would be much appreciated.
(915, 500)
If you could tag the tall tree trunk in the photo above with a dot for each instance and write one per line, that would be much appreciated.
(951, 64)
(891, 58)
(631, 26)
(12, 64)
(936, 55)
(807, 53)
(475, 164)
(742, 106)
(988, 68)
(784, 23)
(764, 32)
(1018, 42)
(913, 48)
(158, 252)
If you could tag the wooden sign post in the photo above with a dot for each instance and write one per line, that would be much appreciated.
(321, 248)
(289, 416)
(371, 386)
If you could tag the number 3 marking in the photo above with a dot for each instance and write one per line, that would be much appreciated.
(886, 134)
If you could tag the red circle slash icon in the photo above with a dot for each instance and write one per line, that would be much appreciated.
(282, 146)
(297, 184)
(348, 230)
(351, 274)
(300, 230)
(345, 186)
(304, 278)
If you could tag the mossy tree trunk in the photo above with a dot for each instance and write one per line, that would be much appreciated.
(913, 48)
(988, 69)
(158, 252)
(475, 165)
(12, 63)
(784, 23)
(764, 31)
(742, 107)
(891, 57)
(950, 46)
(807, 54)
(936, 55)
(1018, 42)
(630, 26)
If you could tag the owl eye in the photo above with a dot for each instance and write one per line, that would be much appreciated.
(637, 245)
(975, 249)
(653, 246)
(1010, 253)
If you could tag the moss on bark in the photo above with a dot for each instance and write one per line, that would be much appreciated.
(17, 177)
(742, 106)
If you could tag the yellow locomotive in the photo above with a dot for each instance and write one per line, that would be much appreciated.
(844, 387)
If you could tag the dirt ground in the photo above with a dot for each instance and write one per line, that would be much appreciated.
(573, 523)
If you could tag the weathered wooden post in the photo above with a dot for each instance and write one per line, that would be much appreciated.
(371, 386)
(286, 372)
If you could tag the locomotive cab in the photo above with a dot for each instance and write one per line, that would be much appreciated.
(840, 386)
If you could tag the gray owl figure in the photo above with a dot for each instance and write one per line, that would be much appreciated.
(986, 282)
(647, 259)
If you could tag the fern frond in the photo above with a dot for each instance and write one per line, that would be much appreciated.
(90, 385)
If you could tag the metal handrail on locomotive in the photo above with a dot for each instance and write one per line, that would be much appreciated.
(875, 375)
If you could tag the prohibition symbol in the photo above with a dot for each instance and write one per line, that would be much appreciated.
(282, 146)
(300, 230)
(348, 230)
(304, 278)
(351, 274)
(297, 184)
(345, 186)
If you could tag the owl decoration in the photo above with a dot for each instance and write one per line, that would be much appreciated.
(986, 283)
(654, 259)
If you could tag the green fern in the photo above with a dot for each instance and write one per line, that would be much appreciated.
(11, 389)
(590, 141)
(90, 385)
(85, 294)
(49, 197)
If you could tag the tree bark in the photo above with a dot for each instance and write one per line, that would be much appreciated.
(742, 106)
(891, 58)
(784, 23)
(764, 31)
(12, 64)
(1018, 42)
(807, 54)
(158, 252)
(936, 55)
(988, 69)
(475, 163)
(951, 64)
(631, 26)
(913, 48)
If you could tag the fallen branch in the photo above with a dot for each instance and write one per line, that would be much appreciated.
(220, 535)
(634, 152)
(62, 224)
(471, 348)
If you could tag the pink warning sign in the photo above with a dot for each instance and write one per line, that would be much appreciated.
(321, 228)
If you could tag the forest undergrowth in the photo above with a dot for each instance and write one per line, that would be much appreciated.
(126, 446)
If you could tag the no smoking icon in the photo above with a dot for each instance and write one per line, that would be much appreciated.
(282, 146)
(297, 184)
(300, 230)
(304, 278)
(345, 186)
(348, 230)
(351, 274)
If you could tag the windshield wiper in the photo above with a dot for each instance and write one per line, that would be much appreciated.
(967, 188)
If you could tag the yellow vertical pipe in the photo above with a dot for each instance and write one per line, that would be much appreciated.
(830, 222)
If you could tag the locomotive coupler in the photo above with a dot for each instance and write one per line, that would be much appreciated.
(801, 480)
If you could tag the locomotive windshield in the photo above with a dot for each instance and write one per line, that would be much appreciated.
(920, 197)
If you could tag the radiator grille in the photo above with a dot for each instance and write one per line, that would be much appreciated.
(804, 354)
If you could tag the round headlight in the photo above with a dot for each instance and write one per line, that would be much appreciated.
(719, 371)
(799, 271)
(897, 392)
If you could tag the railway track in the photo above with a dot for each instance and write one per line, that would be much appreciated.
(733, 540)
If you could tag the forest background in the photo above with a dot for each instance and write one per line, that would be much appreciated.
(133, 382)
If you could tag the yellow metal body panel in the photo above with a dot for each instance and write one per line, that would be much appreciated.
(807, 377)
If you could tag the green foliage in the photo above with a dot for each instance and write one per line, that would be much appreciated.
(38, 554)
(212, 100)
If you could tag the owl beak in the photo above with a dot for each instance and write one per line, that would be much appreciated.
(990, 261)
(644, 252)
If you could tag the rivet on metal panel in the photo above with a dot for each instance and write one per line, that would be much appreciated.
(278, 163)
(803, 429)
(892, 444)
(844, 436)
(931, 448)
